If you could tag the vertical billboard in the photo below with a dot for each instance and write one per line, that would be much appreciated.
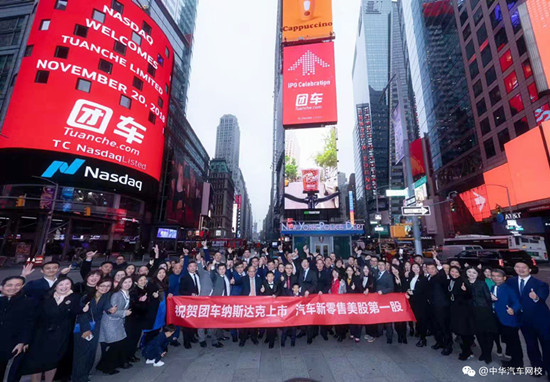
(399, 139)
(184, 205)
(367, 148)
(539, 14)
(307, 19)
(91, 98)
(311, 169)
(309, 86)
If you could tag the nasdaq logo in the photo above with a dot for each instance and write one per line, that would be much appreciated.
(63, 167)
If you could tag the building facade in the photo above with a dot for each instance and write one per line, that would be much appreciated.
(228, 141)
(221, 179)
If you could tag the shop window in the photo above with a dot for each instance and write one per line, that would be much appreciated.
(506, 60)
(516, 104)
(511, 82)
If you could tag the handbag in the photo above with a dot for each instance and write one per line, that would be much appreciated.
(78, 330)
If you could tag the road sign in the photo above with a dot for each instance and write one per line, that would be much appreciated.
(410, 201)
(416, 211)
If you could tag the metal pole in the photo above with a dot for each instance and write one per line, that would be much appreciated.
(41, 247)
(408, 167)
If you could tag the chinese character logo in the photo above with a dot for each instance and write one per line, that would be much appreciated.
(90, 116)
(128, 128)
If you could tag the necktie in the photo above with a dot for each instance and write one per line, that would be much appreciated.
(196, 282)
(521, 286)
(225, 289)
(288, 282)
(252, 287)
(305, 275)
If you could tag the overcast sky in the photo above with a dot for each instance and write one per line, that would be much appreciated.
(232, 73)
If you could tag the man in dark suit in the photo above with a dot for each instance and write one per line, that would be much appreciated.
(307, 279)
(383, 284)
(324, 282)
(270, 288)
(37, 289)
(534, 316)
(251, 286)
(221, 286)
(288, 279)
(190, 285)
(506, 307)
(439, 307)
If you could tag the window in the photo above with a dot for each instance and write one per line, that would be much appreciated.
(117, 6)
(481, 35)
(499, 116)
(167, 52)
(120, 48)
(463, 17)
(490, 75)
(511, 82)
(137, 83)
(474, 70)
(125, 101)
(516, 104)
(83, 85)
(98, 16)
(501, 39)
(470, 51)
(147, 28)
(28, 50)
(61, 52)
(5, 67)
(494, 95)
(521, 126)
(61, 4)
(81, 30)
(478, 16)
(160, 60)
(478, 88)
(506, 60)
(489, 148)
(152, 117)
(11, 31)
(161, 103)
(496, 16)
(136, 38)
(489, 3)
(503, 137)
(42, 76)
(481, 107)
(533, 92)
(527, 70)
(485, 126)
(105, 66)
(467, 32)
(486, 56)
(522, 48)
(151, 70)
(45, 25)
(516, 22)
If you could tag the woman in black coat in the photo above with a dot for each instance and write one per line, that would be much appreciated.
(462, 323)
(401, 286)
(16, 320)
(87, 287)
(485, 324)
(137, 321)
(366, 282)
(353, 285)
(86, 333)
(54, 326)
(418, 298)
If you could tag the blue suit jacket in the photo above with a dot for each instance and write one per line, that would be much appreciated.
(237, 287)
(506, 297)
(534, 314)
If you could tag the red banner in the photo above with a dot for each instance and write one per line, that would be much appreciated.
(266, 312)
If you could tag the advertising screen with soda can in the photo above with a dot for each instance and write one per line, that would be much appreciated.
(311, 169)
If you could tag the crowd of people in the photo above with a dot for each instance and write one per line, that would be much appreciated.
(52, 328)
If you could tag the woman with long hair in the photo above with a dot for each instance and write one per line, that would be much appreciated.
(338, 286)
(86, 332)
(418, 298)
(119, 275)
(400, 286)
(352, 285)
(366, 282)
(130, 270)
(137, 322)
(462, 323)
(485, 328)
(87, 286)
(56, 317)
(112, 331)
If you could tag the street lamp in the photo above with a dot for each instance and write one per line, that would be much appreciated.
(507, 194)
(41, 247)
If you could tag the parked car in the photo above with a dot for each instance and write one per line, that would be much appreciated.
(448, 251)
(496, 258)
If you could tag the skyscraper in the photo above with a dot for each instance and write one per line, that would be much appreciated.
(228, 138)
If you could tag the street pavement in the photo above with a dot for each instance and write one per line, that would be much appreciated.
(324, 361)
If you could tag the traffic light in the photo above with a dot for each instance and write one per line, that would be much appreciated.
(453, 205)
(87, 211)
(20, 201)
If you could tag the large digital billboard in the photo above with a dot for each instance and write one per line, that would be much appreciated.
(307, 19)
(91, 98)
(539, 14)
(309, 86)
(311, 169)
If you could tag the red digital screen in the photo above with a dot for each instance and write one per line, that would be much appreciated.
(417, 158)
(309, 86)
(539, 13)
(94, 83)
(476, 200)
